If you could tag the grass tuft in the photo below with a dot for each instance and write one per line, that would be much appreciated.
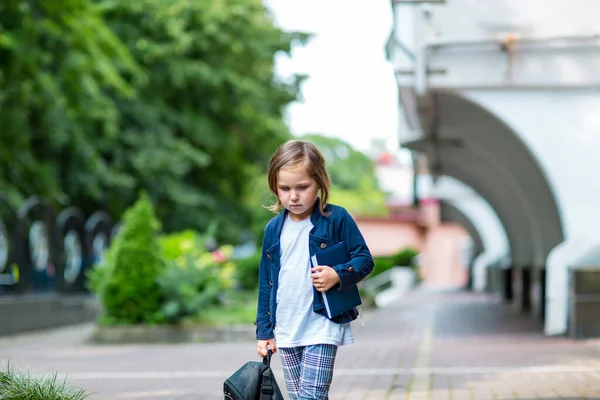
(18, 385)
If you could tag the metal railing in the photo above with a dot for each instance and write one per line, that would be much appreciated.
(378, 283)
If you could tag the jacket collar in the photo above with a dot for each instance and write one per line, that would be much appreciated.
(315, 217)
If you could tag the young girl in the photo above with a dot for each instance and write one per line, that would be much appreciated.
(291, 315)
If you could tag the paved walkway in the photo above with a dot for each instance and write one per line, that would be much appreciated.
(428, 345)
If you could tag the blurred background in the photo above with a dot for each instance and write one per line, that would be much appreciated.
(462, 136)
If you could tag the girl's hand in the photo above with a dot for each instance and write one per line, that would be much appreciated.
(324, 277)
(264, 345)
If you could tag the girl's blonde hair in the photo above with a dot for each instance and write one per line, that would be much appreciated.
(299, 152)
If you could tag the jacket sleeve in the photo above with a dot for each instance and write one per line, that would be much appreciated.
(361, 262)
(264, 328)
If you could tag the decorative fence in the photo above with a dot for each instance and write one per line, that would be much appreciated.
(42, 251)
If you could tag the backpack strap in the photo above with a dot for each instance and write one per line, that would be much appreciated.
(267, 359)
(266, 387)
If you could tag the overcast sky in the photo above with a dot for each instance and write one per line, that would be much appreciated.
(351, 90)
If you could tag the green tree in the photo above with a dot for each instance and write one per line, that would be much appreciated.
(102, 98)
(60, 66)
(213, 105)
(258, 198)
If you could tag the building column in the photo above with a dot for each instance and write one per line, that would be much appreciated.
(507, 284)
(521, 285)
(538, 293)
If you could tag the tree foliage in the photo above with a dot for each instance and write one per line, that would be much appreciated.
(220, 104)
(102, 98)
(60, 66)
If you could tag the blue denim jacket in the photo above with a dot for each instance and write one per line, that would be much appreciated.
(327, 230)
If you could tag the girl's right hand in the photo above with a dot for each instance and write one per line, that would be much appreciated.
(264, 345)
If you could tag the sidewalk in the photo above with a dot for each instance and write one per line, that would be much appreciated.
(428, 345)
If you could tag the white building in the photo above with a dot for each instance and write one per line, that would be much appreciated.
(502, 96)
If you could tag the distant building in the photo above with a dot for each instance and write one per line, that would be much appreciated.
(441, 246)
(395, 176)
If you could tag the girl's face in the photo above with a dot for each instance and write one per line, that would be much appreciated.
(297, 191)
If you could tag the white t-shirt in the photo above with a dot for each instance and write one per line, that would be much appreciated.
(296, 322)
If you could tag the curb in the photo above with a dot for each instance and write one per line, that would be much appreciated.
(171, 334)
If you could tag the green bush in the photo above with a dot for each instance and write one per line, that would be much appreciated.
(405, 257)
(132, 294)
(168, 279)
(189, 289)
(246, 271)
(127, 283)
(178, 244)
(382, 264)
(16, 385)
(194, 279)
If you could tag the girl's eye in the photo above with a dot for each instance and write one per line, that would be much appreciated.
(302, 187)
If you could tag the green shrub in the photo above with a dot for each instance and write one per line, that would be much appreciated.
(405, 257)
(127, 283)
(132, 294)
(16, 385)
(246, 271)
(194, 279)
(189, 288)
(382, 264)
(175, 245)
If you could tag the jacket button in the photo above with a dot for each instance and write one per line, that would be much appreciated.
(268, 255)
(323, 245)
(351, 269)
(270, 283)
(268, 312)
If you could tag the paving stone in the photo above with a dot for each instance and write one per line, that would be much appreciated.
(428, 345)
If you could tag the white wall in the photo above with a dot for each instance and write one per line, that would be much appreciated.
(484, 219)
(562, 130)
(571, 62)
(546, 97)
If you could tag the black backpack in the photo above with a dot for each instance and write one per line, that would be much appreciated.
(253, 381)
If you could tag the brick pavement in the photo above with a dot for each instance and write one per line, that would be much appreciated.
(428, 345)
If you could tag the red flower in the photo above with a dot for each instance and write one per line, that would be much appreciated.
(218, 256)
